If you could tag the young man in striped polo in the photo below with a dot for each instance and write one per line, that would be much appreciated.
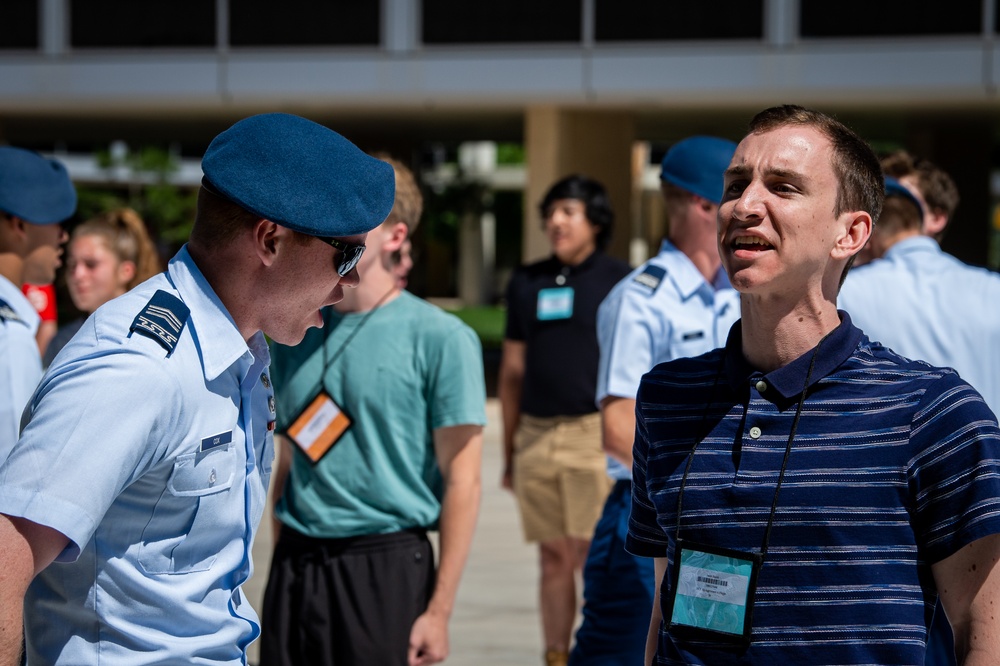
(807, 493)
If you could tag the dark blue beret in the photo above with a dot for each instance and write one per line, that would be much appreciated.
(34, 188)
(300, 175)
(698, 165)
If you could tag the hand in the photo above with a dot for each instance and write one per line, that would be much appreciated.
(428, 640)
(507, 478)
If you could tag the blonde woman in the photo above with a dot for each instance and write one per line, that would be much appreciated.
(107, 255)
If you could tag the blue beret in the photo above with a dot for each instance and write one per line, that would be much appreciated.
(697, 164)
(894, 188)
(300, 175)
(34, 188)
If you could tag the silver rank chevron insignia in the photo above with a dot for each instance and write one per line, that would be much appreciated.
(162, 319)
(7, 313)
(651, 277)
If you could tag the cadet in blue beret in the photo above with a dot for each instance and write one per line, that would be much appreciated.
(35, 196)
(147, 447)
(679, 303)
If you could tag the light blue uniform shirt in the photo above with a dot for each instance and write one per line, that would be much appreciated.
(155, 467)
(662, 310)
(927, 305)
(20, 366)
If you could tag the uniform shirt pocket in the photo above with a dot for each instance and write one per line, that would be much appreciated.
(192, 521)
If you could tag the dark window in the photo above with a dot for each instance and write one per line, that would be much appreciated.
(142, 23)
(657, 20)
(303, 23)
(885, 18)
(504, 22)
(19, 19)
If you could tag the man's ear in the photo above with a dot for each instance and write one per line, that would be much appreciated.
(268, 239)
(934, 222)
(857, 231)
(13, 232)
(395, 237)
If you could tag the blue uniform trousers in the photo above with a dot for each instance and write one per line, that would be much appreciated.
(617, 592)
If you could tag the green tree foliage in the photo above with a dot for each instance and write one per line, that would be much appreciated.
(168, 209)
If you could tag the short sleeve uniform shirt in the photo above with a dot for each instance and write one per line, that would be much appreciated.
(20, 366)
(154, 463)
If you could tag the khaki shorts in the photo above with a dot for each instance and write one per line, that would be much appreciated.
(560, 476)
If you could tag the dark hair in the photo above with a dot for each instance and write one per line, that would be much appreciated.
(218, 221)
(860, 183)
(899, 214)
(859, 174)
(936, 186)
(595, 200)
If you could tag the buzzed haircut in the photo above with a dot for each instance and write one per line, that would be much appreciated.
(859, 174)
(218, 221)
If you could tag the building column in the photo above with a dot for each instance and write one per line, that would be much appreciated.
(598, 144)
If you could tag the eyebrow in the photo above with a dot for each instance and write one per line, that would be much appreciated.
(742, 171)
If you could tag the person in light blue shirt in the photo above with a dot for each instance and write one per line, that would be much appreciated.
(130, 503)
(926, 304)
(677, 304)
(36, 195)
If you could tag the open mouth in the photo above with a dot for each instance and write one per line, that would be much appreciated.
(751, 244)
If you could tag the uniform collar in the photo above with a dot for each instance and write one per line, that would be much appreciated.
(685, 275)
(913, 245)
(788, 380)
(218, 339)
(11, 294)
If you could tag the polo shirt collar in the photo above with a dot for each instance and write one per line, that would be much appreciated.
(788, 380)
(566, 269)
(217, 338)
(685, 275)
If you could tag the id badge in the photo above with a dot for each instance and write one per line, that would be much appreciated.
(555, 303)
(319, 426)
(711, 598)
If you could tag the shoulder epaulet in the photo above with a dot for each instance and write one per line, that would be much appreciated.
(162, 319)
(651, 277)
(7, 313)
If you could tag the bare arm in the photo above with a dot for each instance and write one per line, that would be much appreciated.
(25, 549)
(655, 618)
(618, 428)
(511, 383)
(284, 452)
(459, 451)
(969, 585)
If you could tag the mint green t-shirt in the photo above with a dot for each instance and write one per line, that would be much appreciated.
(410, 368)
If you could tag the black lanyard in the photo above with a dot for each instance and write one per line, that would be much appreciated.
(328, 361)
(784, 462)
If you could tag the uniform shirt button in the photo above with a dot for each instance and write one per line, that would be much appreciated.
(212, 478)
(761, 385)
(755, 432)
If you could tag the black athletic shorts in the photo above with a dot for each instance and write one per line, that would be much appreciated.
(345, 602)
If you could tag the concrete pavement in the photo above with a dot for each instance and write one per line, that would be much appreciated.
(495, 622)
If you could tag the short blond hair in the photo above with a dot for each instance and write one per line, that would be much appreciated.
(409, 203)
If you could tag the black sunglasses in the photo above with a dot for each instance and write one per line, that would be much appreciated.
(348, 256)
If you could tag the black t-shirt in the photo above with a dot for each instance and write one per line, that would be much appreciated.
(552, 308)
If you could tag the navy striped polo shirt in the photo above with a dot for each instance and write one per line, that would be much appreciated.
(895, 465)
